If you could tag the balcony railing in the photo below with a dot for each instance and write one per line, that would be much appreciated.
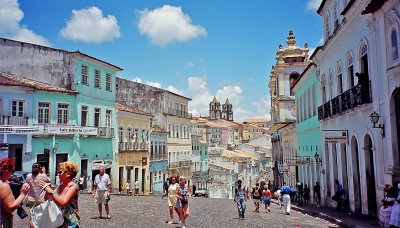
(105, 132)
(157, 157)
(176, 112)
(133, 146)
(350, 99)
(180, 164)
(14, 120)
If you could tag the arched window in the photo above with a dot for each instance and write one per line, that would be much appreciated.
(327, 26)
(129, 134)
(335, 17)
(330, 85)
(323, 89)
(395, 46)
(309, 103)
(121, 134)
(364, 59)
(314, 98)
(350, 71)
(339, 79)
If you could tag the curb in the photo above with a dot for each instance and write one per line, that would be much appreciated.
(326, 217)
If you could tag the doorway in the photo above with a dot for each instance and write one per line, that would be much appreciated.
(370, 176)
(59, 159)
(43, 159)
(84, 172)
(15, 151)
(120, 179)
(143, 179)
(356, 175)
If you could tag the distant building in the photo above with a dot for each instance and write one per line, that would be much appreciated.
(216, 113)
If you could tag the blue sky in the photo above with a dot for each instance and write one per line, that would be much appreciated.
(195, 48)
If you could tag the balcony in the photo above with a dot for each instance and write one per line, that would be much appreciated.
(347, 101)
(133, 146)
(105, 132)
(179, 113)
(158, 157)
(14, 120)
(180, 164)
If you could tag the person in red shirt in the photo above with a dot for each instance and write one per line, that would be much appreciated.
(267, 198)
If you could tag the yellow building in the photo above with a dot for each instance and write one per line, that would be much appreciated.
(251, 131)
(132, 155)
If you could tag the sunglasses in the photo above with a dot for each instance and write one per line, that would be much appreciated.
(61, 172)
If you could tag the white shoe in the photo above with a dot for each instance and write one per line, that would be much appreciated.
(171, 222)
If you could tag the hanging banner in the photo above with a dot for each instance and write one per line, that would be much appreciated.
(67, 130)
(17, 130)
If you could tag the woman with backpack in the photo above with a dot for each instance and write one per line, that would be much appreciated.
(256, 194)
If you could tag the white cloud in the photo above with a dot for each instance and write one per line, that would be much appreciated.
(233, 93)
(200, 94)
(168, 24)
(137, 80)
(174, 90)
(89, 25)
(10, 19)
(313, 4)
(154, 84)
(190, 64)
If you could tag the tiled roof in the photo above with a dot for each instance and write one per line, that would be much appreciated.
(255, 121)
(13, 80)
(127, 108)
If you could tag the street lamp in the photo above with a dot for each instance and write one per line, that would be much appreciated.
(374, 119)
(317, 158)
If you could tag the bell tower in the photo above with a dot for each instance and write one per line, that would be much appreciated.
(227, 112)
(215, 109)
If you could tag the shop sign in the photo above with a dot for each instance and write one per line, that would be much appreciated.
(17, 130)
(67, 130)
(336, 139)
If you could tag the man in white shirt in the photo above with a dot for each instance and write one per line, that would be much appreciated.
(102, 187)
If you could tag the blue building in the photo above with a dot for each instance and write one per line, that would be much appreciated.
(158, 159)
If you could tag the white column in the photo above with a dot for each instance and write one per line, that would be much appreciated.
(363, 178)
(350, 174)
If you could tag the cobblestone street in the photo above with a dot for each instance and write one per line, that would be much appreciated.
(152, 211)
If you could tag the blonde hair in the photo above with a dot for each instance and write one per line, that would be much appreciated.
(71, 167)
(182, 177)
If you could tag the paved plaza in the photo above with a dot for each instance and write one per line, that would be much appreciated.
(152, 211)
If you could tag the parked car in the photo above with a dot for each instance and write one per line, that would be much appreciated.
(201, 192)
(17, 179)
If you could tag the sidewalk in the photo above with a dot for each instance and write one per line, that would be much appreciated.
(340, 218)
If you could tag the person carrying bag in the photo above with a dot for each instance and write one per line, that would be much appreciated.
(66, 198)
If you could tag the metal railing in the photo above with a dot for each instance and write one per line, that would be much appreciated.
(176, 112)
(179, 164)
(14, 120)
(106, 132)
(133, 146)
(348, 100)
(156, 157)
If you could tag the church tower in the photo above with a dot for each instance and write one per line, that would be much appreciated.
(215, 109)
(227, 112)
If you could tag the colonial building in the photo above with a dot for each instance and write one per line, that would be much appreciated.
(308, 132)
(216, 113)
(158, 159)
(170, 112)
(290, 62)
(88, 119)
(132, 160)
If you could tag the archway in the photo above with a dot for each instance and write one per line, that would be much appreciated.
(356, 174)
(370, 175)
(395, 115)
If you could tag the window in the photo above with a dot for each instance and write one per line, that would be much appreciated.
(364, 59)
(108, 118)
(121, 134)
(84, 116)
(169, 131)
(62, 114)
(44, 113)
(97, 79)
(335, 17)
(85, 75)
(159, 175)
(309, 103)
(151, 148)
(17, 108)
(129, 133)
(330, 85)
(323, 89)
(395, 46)
(350, 71)
(314, 100)
(327, 26)
(97, 117)
(108, 82)
(340, 79)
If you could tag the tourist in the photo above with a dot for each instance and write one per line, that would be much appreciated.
(266, 198)
(285, 191)
(89, 184)
(7, 202)
(384, 213)
(256, 194)
(165, 188)
(279, 196)
(338, 193)
(172, 198)
(317, 193)
(306, 195)
(66, 196)
(182, 201)
(136, 187)
(128, 189)
(102, 188)
(81, 180)
(240, 199)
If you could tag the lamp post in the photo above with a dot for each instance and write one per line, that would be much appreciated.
(374, 117)
(318, 160)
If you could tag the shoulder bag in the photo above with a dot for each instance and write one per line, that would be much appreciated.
(46, 214)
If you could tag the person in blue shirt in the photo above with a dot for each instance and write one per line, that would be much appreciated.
(285, 191)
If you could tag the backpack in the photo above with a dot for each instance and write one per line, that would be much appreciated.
(256, 192)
